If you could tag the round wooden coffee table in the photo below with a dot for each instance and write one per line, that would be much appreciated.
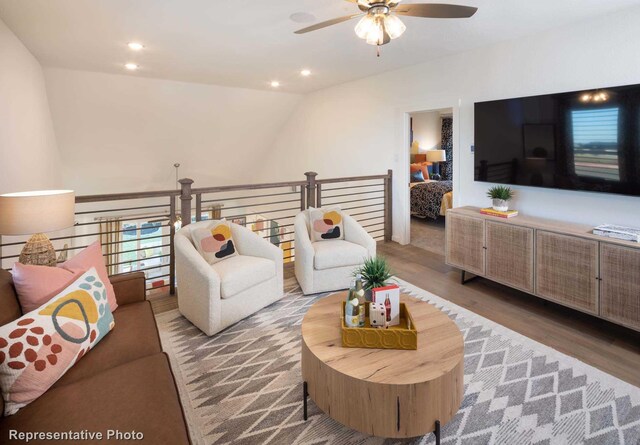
(384, 392)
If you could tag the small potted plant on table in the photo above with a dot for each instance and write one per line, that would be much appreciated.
(375, 273)
(501, 196)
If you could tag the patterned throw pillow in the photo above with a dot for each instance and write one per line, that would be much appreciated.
(326, 224)
(41, 346)
(215, 243)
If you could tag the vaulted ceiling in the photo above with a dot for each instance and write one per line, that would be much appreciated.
(249, 43)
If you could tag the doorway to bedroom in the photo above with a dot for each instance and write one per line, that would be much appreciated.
(431, 177)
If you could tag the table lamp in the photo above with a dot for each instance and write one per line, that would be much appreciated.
(436, 156)
(29, 213)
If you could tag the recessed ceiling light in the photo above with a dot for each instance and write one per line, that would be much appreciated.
(305, 73)
(135, 46)
(131, 66)
(275, 84)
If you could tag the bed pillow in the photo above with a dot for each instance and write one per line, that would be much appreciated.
(215, 243)
(417, 176)
(35, 285)
(326, 224)
(37, 349)
(427, 170)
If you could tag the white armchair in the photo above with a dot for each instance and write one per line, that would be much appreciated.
(216, 296)
(328, 265)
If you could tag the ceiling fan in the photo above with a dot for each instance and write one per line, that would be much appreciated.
(380, 23)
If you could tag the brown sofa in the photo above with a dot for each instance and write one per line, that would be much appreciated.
(125, 383)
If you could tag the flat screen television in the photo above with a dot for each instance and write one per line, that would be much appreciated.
(582, 140)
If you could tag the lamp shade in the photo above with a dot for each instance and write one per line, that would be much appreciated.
(436, 156)
(26, 213)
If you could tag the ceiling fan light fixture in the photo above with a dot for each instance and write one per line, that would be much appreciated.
(394, 26)
(376, 33)
(365, 25)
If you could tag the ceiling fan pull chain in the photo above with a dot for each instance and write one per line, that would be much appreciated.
(378, 50)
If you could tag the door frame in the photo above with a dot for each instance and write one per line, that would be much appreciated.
(402, 214)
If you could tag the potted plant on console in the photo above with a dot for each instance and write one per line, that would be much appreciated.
(501, 196)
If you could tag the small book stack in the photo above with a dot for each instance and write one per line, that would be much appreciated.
(618, 232)
(508, 214)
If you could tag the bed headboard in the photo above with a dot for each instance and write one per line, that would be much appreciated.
(419, 157)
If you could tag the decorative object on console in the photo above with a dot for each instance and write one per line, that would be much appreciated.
(618, 232)
(41, 346)
(436, 156)
(215, 243)
(326, 224)
(501, 195)
(32, 213)
(508, 214)
(389, 296)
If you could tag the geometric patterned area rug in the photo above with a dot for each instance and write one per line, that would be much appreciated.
(243, 385)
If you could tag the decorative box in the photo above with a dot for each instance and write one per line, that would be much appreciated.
(392, 294)
(401, 336)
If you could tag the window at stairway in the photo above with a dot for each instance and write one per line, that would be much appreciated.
(142, 248)
(595, 143)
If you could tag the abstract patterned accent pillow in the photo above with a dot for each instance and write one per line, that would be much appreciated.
(215, 243)
(41, 346)
(326, 224)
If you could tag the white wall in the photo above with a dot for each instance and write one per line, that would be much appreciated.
(123, 133)
(28, 153)
(427, 130)
(360, 126)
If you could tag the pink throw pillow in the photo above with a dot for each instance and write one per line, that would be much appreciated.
(36, 285)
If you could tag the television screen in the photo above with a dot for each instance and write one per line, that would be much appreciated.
(583, 140)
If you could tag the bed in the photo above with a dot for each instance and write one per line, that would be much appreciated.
(431, 199)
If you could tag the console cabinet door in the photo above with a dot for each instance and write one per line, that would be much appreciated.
(567, 270)
(465, 243)
(510, 255)
(620, 284)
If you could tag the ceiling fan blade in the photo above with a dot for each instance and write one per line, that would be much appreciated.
(435, 10)
(327, 23)
(363, 5)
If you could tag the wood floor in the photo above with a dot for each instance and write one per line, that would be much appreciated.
(613, 349)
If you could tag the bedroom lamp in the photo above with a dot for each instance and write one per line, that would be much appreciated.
(29, 213)
(436, 156)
